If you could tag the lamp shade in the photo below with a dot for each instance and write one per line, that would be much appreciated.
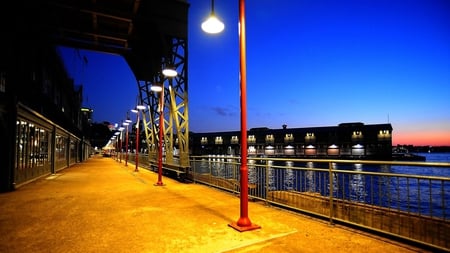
(140, 107)
(156, 87)
(213, 25)
(169, 71)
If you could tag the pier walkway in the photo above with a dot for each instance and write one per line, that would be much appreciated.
(102, 205)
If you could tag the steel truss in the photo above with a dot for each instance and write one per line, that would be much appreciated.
(175, 112)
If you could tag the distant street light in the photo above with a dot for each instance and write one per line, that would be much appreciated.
(121, 128)
(126, 123)
(243, 223)
(160, 88)
(137, 111)
(117, 139)
(168, 71)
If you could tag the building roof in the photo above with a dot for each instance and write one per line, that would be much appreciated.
(319, 129)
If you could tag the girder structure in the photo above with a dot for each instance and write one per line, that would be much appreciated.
(148, 34)
(175, 112)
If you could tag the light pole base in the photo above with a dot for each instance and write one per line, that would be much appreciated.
(159, 184)
(244, 228)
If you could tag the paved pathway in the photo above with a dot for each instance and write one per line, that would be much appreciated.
(103, 206)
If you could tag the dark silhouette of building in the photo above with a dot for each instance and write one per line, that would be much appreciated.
(41, 127)
(347, 140)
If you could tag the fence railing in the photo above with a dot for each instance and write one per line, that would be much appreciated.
(408, 200)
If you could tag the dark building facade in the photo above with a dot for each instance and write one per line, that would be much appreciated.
(345, 141)
(41, 124)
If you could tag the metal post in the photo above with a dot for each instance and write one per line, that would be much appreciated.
(120, 146)
(137, 142)
(243, 223)
(126, 148)
(161, 136)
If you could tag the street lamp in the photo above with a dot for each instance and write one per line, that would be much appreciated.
(121, 128)
(169, 72)
(126, 123)
(243, 223)
(212, 24)
(117, 138)
(160, 89)
(137, 111)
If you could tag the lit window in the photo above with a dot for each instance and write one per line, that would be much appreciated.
(269, 138)
(310, 137)
(218, 140)
(288, 138)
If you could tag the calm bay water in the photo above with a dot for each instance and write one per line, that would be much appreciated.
(410, 193)
(436, 157)
(406, 192)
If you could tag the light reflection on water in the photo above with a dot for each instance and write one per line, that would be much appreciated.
(422, 196)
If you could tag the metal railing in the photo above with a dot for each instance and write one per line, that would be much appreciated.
(407, 200)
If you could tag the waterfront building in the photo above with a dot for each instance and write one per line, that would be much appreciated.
(345, 141)
(42, 124)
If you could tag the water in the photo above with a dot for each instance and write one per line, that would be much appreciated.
(411, 194)
(436, 157)
(424, 196)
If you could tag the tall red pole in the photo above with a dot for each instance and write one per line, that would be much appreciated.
(243, 223)
(137, 142)
(126, 148)
(120, 145)
(161, 136)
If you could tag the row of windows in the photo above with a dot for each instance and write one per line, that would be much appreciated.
(35, 151)
(289, 138)
(32, 145)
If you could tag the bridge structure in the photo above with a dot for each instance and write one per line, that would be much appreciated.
(150, 35)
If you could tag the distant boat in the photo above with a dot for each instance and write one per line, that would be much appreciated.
(402, 154)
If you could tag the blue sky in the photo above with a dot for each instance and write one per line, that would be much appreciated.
(309, 63)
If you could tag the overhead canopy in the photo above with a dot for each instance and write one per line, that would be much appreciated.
(139, 30)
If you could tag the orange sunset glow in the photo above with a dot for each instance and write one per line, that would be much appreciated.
(434, 138)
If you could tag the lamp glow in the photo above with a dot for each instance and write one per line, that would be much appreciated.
(213, 25)
(169, 72)
(156, 88)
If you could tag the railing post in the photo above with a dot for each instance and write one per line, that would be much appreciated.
(266, 167)
(193, 166)
(210, 169)
(330, 180)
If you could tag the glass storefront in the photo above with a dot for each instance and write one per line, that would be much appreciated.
(37, 144)
(33, 149)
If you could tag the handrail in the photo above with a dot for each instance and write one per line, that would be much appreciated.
(413, 206)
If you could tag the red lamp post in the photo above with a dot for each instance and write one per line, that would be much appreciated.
(161, 136)
(137, 111)
(243, 223)
(169, 71)
(160, 89)
(126, 123)
(121, 128)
